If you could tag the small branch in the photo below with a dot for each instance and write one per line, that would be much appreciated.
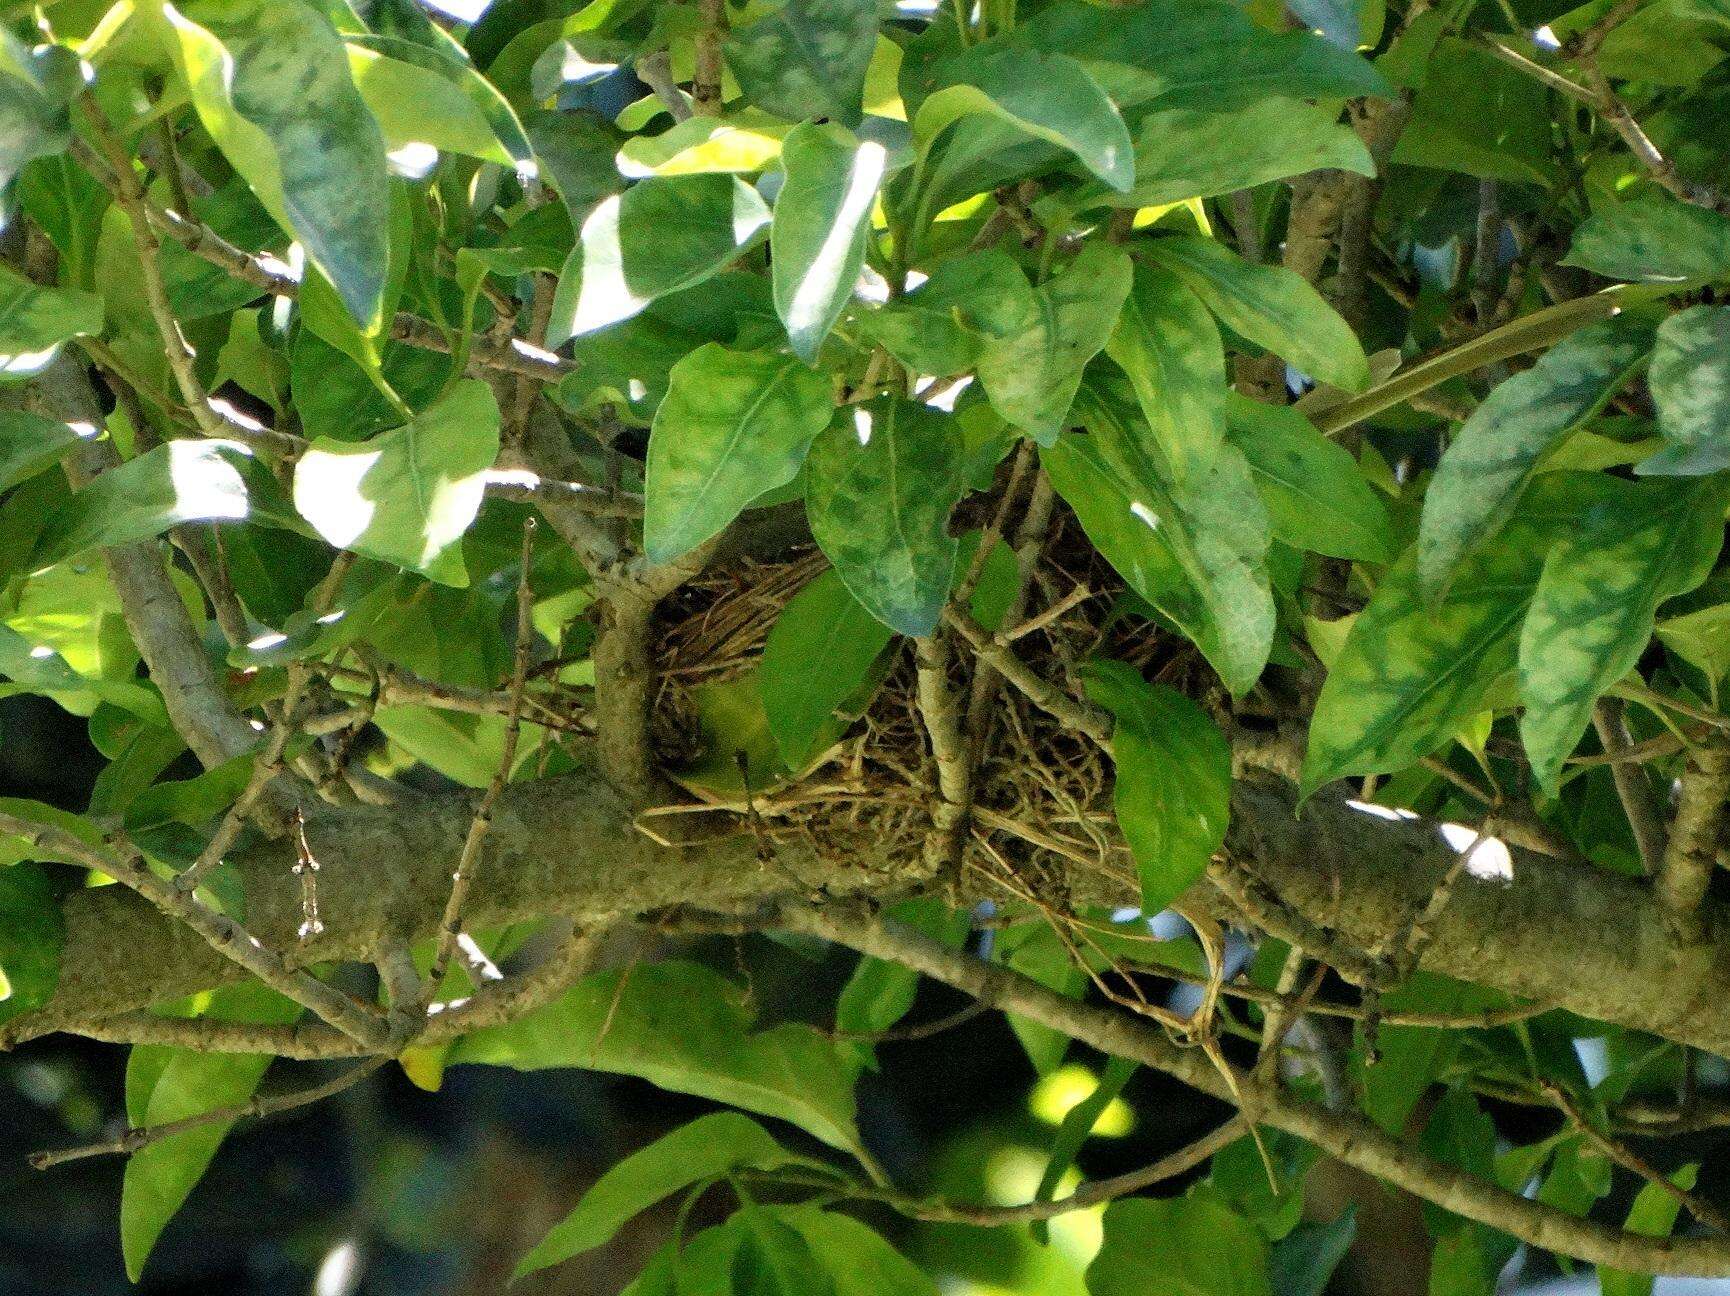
(991, 649)
(656, 71)
(143, 1136)
(940, 708)
(525, 487)
(1486, 250)
(1029, 544)
(1645, 818)
(706, 77)
(1691, 853)
(450, 925)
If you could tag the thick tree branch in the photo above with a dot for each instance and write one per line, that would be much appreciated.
(1691, 854)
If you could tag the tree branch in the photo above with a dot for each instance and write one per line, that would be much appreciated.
(1691, 854)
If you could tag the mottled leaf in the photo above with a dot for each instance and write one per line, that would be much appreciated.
(1653, 239)
(270, 80)
(1031, 370)
(1173, 779)
(1690, 384)
(806, 59)
(1269, 305)
(662, 234)
(408, 495)
(1168, 344)
(1480, 478)
(1591, 617)
(733, 425)
(883, 479)
(822, 218)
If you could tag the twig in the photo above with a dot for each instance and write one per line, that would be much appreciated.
(463, 878)
(1639, 803)
(1081, 716)
(655, 70)
(144, 1135)
(909, 1034)
(706, 76)
(940, 708)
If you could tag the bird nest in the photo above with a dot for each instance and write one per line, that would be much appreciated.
(1041, 792)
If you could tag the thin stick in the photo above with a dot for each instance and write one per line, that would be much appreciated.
(1080, 716)
(450, 926)
(1638, 802)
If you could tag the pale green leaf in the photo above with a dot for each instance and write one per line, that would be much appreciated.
(270, 80)
(883, 479)
(1479, 480)
(1031, 368)
(743, 143)
(1591, 616)
(685, 1028)
(819, 653)
(35, 319)
(1269, 305)
(806, 59)
(1690, 384)
(822, 218)
(1317, 498)
(1173, 779)
(408, 495)
(1702, 639)
(733, 425)
(662, 234)
(707, 1148)
(421, 97)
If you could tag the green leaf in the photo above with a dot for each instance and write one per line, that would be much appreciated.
(36, 88)
(685, 1028)
(406, 496)
(743, 143)
(1690, 384)
(1078, 1123)
(1031, 369)
(419, 96)
(1182, 1246)
(1168, 344)
(941, 326)
(1173, 784)
(1591, 616)
(160, 1176)
(1411, 672)
(34, 319)
(1302, 1262)
(1653, 239)
(733, 425)
(819, 653)
(1049, 96)
(1474, 114)
(31, 934)
(1480, 478)
(180, 481)
(1316, 496)
(858, 1260)
(662, 234)
(773, 1259)
(822, 218)
(1182, 153)
(1195, 552)
(270, 80)
(707, 1148)
(1653, 1214)
(30, 444)
(883, 479)
(1269, 305)
(806, 59)
(1702, 639)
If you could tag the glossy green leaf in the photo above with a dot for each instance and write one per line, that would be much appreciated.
(685, 1028)
(1031, 368)
(1411, 672)
(36, 90)
(819, 653)
(806, 59)
(1184, 153)
(744, 143)
(408, 495)
(1317, 497)
(30, 444)
(160, 1176)
(707, 1148)
(1592, 614)
(1653, 1214)
(1690, 383)
(733, 425)
(822, 218)
(31, 934)
(1173, 782)
(1269, 305)
(1048, 96)
(1187, 1246)
(1481, 476)
(34, 319)
(774, 1259)
(662, 234)
(1653, 239)
(1189, 551)
(270, 80)
(942, 326)
(883, 480)
(1168, 344)
(420, 96)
